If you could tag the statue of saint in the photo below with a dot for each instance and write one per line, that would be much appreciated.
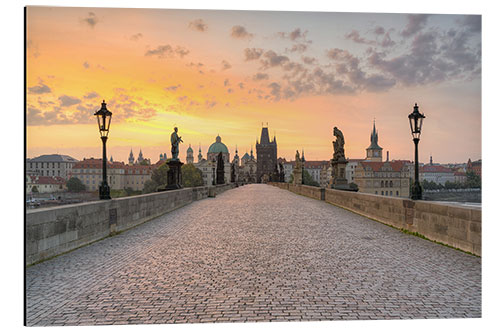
(297, 160)
(175, 140)
(338, 145)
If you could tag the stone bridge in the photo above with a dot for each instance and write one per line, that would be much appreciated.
(254, 253)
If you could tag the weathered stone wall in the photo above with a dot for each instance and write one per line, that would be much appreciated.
(456, 226)
(52, 231)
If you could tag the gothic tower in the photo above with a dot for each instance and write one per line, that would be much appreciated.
(374, 151)
(189, 155)
(200, 156)
(131, 158)
(267, 155)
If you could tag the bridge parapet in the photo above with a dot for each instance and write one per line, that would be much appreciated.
(53, 231)
(456, 226)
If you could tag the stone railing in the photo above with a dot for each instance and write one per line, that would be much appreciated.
(52, 231)
(453, 225)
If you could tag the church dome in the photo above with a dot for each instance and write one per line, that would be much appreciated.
(218, 146)
(190, 150)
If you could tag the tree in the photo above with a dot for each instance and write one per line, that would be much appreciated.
(34, 189)
(307, 179)
(473, 180)
(75, 185)
(144, 162)
(158, 178)
(191, 176)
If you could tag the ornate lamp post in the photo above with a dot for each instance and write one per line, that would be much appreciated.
(103, 121)
(416, 119)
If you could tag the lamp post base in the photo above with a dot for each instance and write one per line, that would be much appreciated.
(416, 192)
(104, 191)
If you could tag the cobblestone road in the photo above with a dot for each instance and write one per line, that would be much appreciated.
(255, 253)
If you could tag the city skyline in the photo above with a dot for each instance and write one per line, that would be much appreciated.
(227, 72)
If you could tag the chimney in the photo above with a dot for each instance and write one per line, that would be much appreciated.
(387, 156)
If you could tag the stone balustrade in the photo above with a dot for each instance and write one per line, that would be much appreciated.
(53, 231)
(453, 225)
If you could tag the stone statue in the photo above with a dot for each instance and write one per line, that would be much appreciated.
(175, 140)
(338, 145)
(297, 160)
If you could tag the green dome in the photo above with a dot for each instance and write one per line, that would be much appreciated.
(218, 146)
(190, 150)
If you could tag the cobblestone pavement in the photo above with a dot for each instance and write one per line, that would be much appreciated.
(254, 253)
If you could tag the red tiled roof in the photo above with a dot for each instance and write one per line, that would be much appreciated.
(96, 163)
(315, 164)
(435, 168)
(376, 166)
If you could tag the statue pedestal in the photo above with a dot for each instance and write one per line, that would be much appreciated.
(339, 182)
(297, 176)
(174, 176)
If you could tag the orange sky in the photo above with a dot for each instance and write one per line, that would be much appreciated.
(162, 68)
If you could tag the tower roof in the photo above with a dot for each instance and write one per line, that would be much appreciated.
(264, 136)
(374, 139)
(218, 146)
(190, 150)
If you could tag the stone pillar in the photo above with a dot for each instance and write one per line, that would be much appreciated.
(297, 176)
(174, 176)
(339, 180)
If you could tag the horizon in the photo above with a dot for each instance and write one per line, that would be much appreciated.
(227, 72)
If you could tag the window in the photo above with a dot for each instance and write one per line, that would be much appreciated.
(376, 192)
(397, 193)
(391, 192)
(390, 184)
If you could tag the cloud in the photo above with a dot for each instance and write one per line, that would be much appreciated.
(230, 90)
(241, 85)
(308, 60)
(172, 88)
(252, 54)
(355, 37)
(226, 82)
(136, 37)
(86, 65)
(240, 32)
(91, 20)
(272, 59)
(32, 48)
(472, 23)
(225, 65)
(379, 30)
(164, 51)
(301, 47)
(198, 25)
(192, 64)
(296, 34)
(260, 76)
(275, 91)
(66, 100)
(91, 95)
(41, 88)
(416, 22)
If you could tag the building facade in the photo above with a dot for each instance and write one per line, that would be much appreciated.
(436, 173)
(44, 184)
(267, 156)
(53, 165)
(383, 178)
(248, 168)
(119, 174)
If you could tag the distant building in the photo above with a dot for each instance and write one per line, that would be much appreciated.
(383, 178)
(352, 163)
(248, 168)
(475, 167)
(53, 165)
(374, 151)
(44, 184)
(314, 168)
(189, 155)
(267, 155)
(436, 173)
(120, 175)
(214, 150)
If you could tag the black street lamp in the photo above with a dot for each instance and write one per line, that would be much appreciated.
(416, 119)
(103, 121)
